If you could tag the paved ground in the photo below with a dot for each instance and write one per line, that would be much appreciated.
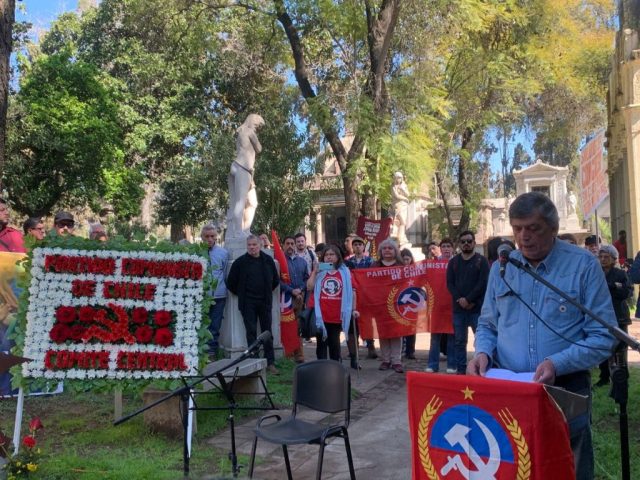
(379, 431)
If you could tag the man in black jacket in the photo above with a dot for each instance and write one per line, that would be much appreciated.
(467, 275)
(620, 289)
(253, 277)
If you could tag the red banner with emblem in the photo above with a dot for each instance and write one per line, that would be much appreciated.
(403, 300)
(373, 232)
(288, 324)
(474, 427)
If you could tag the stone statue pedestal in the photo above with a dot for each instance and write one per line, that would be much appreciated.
(233, 337)
(572, 222)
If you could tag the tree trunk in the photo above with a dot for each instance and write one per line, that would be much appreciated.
(8, 12)
(463, 183)
(380, 33)
(147, 208)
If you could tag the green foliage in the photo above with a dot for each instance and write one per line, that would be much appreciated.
(185, 198)
(63, 135)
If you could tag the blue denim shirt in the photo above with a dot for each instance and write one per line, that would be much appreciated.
(218, 259)
(510, 334)
(297, 273)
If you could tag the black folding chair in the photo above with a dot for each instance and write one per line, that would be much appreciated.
(322, 385)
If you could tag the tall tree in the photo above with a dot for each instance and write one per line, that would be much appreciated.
(7, 19)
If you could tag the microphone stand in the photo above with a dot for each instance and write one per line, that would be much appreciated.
(185, 393)
(619, 373)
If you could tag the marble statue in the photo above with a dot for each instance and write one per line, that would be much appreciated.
(243, 200)
(400, 198)
(572, 203)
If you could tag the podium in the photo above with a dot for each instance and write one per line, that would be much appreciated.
(466, 427)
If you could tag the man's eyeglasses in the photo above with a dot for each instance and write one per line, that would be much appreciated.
(466, 241)
(40, 229)
(66, 225)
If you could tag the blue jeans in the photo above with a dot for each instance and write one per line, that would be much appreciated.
(434, 351)
(216, 313)
(461, 323)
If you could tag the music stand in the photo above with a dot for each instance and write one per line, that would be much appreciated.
(226, 388)
(187, 393)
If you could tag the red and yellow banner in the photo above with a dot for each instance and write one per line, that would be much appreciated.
(474, 427)
(288, 324)
(403, 300)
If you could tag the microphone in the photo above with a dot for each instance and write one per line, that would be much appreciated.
(504, 251)
(262, 339)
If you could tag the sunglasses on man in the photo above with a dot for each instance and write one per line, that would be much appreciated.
(466, 241)
(66, 224)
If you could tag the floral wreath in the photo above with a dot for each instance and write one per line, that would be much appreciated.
(120, 312)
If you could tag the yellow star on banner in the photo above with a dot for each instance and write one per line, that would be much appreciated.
(468, 393)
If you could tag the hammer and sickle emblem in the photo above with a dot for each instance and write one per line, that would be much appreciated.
(458, 435)
(411, 305)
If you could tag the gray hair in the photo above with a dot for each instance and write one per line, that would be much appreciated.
(209, 227)
(388, 242)
(251, 236)
(530, 203)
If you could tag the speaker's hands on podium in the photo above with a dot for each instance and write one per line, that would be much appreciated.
(478, 365)
(545, 373)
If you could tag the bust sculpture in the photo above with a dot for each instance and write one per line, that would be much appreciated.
(243, 200)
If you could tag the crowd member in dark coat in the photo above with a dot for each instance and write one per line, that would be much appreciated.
(621, 289)
(467, 275)
(253, 277)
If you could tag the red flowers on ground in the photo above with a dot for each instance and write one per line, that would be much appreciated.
(29, 441)
(35, 424)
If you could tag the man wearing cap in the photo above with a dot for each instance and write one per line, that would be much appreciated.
(10, 239)
(63, 223)
(359, 260)
(620, 289)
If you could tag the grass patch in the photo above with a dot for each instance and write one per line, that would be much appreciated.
(606, 431)
(80, 442)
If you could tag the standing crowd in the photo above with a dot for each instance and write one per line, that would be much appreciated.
(519, 324)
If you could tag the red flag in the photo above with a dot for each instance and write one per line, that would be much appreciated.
(288, 324)
(475, 427)
(280, 257)
(403, 300)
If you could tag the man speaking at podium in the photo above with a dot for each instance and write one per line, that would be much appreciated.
(562, 344)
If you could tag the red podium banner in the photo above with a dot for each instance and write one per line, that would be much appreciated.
(466, 427)
(403, 300)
